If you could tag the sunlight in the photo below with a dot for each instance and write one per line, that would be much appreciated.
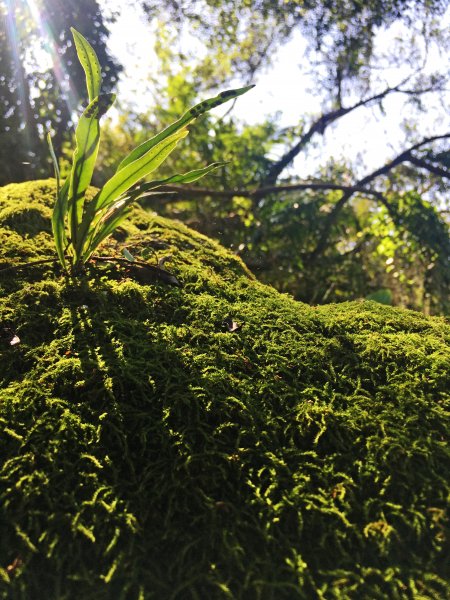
(51, 48)
(13, 40)
(44, 52)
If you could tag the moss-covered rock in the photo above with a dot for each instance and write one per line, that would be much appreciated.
(147, 452)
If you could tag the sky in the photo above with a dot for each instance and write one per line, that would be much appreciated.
(366, 136)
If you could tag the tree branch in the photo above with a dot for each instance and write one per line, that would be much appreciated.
(27, 265)
(349, 190)
(327, 119)
(257, 193)
(429, 167)
(332, 216)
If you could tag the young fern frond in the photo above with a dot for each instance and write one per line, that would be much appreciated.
(79, 227)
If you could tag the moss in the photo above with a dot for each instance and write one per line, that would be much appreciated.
(147, 452)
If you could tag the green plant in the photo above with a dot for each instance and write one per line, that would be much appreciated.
(80, 226)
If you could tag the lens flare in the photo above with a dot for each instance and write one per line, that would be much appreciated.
(20, 77)
(47, 41)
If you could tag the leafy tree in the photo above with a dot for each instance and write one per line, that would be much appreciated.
(320, 238)
(245, 34)
(35, 92)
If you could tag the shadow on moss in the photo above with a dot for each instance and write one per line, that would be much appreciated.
(150, 453)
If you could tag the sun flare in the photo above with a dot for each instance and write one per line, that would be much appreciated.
(43, 52)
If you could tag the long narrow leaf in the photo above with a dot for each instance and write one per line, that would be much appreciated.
(189, 116)
(133, 172)
(190, 176)
(58, 222)
(87, 137)
(106, 226)
(109, 219)
(121, 182)
(55, 162)
(89, 62)
(60, 208)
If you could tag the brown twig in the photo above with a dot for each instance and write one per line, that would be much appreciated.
(140, 268)
(423, 164)
(137, 265)
(21, 266)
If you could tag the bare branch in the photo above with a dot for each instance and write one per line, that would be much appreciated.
(423, 164)
(32, 263)
(327, 119)
(349, 190)
(195, 192)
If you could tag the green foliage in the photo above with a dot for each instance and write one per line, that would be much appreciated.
(149, 453)
(244, 147)
(369, 248)
(382, 296)
(77, 230)
(242, 36)
(276, 234)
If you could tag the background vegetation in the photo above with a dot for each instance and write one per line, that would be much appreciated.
(348, 231)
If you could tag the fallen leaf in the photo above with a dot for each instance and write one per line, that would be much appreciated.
(128, 255)
(16, 563)
(231, 325)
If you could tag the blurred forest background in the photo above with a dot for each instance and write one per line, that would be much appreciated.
(348, 230)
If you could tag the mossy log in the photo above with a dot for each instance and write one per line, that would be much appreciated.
(214, 441)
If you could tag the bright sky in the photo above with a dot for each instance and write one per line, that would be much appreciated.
(286, 90)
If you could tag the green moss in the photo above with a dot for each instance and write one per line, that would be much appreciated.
(148, 453)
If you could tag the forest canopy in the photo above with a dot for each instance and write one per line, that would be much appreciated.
(345, 230)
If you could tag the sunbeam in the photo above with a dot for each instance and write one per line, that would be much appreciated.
(22, 84)
(47, 43)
